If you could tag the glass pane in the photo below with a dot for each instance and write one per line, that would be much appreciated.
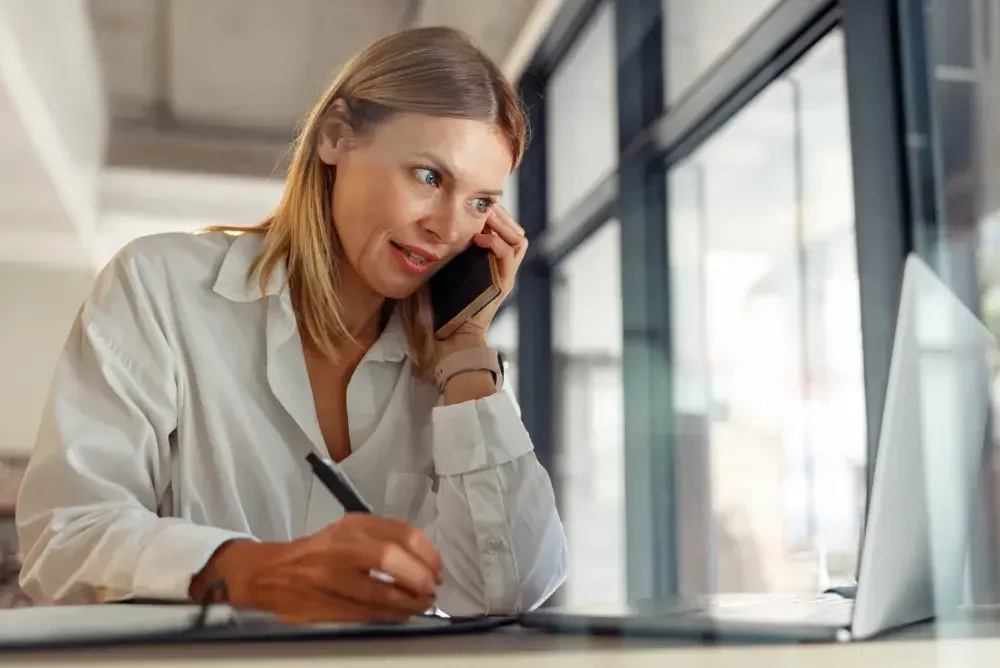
(509, 197)
(961, 67)
(699, 32)
(502, 335)
(767, 339)
(582, 108)
(588, 345)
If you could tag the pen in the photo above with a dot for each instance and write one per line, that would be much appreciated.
(339, 487)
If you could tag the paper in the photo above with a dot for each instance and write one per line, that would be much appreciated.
(101, 622)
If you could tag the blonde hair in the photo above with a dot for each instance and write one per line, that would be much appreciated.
(434, 71)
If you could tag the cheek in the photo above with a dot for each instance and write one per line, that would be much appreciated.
(355, 208)
(366, 210)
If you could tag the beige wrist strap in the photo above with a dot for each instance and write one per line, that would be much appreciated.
(466, 360)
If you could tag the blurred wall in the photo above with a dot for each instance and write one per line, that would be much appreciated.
(37, 305)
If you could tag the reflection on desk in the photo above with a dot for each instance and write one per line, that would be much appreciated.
(964, 643)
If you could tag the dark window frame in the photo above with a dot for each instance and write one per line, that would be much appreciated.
(652, 139)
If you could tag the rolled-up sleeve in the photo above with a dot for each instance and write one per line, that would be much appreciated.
(86, 514)
(497, 527)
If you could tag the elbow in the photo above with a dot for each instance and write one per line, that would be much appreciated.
(38, 579)
(32, 549)
(50, 566)
(549, 574)
(537, 572)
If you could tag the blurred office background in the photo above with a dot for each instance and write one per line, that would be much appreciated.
(720, 196)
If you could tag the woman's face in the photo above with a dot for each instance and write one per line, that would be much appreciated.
(412, 193)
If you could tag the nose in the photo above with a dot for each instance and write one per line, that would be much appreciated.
(443, 223)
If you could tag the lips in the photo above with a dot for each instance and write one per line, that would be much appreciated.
(411, 259)
(416, 254)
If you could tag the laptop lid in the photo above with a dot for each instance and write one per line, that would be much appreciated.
(931, 447)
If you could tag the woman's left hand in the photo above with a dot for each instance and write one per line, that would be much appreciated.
(504, 237)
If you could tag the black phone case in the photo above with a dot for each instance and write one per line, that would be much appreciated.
(462, 288)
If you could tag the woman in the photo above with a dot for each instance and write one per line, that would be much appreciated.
(203, 369)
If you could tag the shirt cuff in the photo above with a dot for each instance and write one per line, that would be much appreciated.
(174, 556)
(476, 435)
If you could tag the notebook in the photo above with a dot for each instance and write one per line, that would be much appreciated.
(52, 627)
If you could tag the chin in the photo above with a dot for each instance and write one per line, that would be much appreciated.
(395, 290)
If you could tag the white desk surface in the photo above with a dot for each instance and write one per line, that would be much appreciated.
(970, 643)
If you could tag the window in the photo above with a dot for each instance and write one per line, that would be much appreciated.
(767, 336)
(509, 198)
(502, 335)
(697, 33)
(582, 108)
(958, 78)
(588, 346)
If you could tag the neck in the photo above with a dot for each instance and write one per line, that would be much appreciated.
(362, 306)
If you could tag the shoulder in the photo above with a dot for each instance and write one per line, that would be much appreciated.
(171, 257)
(149, 274)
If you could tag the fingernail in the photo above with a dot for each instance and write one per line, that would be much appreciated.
(520, 230)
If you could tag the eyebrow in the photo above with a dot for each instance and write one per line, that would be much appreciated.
(442, 165)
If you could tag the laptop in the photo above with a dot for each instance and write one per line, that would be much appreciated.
(926, 477)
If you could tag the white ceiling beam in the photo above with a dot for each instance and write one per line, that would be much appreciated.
(136, 203)
(535, 27)
(51, 76)
(197, 199)
(494, 26)
(135, 145)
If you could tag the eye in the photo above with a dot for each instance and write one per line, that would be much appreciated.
(483, 204)
(427, 176)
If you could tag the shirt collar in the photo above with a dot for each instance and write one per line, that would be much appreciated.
(233, 284)
(232, 281)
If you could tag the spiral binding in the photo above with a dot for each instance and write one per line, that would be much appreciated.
(216, 593)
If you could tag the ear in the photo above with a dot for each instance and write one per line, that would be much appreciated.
(334, 133)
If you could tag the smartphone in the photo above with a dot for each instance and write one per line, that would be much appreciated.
(467, 284)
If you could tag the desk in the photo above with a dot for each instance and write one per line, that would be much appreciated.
(968, 643)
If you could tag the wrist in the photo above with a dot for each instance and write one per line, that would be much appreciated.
(232, 562)
(457, 342)
(469, 386)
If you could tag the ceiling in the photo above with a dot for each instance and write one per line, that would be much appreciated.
(219, 85)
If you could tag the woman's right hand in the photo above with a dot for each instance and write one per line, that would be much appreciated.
(327, 577)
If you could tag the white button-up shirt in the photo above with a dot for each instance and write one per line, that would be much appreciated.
(181, 414)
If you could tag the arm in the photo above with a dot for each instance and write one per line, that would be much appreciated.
(497, 529)
(86, 514)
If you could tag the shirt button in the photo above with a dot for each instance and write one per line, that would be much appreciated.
(494, 544)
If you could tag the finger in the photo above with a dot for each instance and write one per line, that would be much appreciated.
(308, 597)
(504, 214)
(510, 231)
(390, 558)
(500, 247)
(505, 229)
(407, 536)
(367, 590)
(400, 565)
(521, 250)
(507, 258)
